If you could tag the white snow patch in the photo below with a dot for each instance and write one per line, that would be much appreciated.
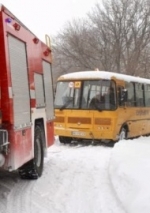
(84, 179)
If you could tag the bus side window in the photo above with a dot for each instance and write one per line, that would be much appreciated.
(139, 94)
(131, 96)
(147, 94)
(121, 100)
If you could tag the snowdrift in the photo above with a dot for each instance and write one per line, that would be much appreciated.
(129, 173)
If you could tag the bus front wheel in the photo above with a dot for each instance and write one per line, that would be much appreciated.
(65, 140)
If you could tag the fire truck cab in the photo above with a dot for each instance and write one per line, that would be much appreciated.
(26, 98)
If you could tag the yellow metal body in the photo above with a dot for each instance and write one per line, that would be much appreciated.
(102, 125)
(91, 124)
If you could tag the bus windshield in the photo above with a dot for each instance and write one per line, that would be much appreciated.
(86, 94)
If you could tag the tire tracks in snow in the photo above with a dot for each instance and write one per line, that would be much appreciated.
(7, 182)
(26, 198)
(102, 193)
(66, 175)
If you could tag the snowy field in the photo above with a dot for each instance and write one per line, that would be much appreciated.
(84, 179)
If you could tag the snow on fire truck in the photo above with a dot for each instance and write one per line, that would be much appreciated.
(26, 98)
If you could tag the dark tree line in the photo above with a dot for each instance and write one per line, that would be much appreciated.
(115, 36)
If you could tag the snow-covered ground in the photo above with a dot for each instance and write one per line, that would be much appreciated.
(84, 179)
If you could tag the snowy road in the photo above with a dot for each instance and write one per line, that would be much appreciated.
(75, 180)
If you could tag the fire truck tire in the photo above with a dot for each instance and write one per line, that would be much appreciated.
(38, 151)
(34, 168)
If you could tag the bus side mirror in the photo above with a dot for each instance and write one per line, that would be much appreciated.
(124, 96)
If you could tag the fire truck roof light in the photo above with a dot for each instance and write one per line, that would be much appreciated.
(8, 20)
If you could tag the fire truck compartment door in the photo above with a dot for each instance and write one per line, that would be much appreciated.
(20, 84)
(48, 86)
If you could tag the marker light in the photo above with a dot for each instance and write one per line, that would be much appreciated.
(36, 40)
(8, 20)
(16, 26)
(47, 52)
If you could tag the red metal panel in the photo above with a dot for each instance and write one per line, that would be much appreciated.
(21, 149)
(35, 52)
(3, 74)
(21, 146)
(50, 133)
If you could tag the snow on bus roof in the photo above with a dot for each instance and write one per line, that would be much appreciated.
(102, 75)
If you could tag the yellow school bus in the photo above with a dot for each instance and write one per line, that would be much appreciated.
(101, 106)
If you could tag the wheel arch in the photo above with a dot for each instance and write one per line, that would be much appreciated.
(126, 127)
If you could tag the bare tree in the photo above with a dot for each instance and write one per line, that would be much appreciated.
(115, 36)
(124, 30)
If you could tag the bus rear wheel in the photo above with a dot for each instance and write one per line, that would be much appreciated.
(123, 134)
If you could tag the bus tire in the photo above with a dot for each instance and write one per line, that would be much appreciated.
(65, 140)
(123, 134)
(34, 168)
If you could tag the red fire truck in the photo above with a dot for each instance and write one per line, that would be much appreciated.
(26, 98)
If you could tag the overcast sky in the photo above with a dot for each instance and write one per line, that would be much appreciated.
(48, 16)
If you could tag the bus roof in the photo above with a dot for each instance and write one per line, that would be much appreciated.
(102, 75)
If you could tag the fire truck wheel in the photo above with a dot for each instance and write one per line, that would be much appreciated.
(34, 168)
(38, 151)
